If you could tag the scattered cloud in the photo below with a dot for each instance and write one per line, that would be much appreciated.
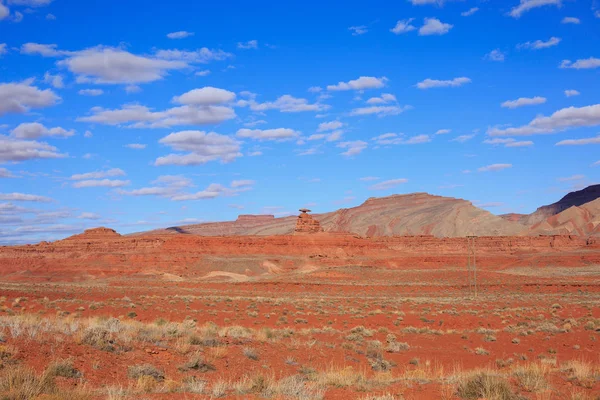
(110, 183)
(394, 139)
(15, 150)
(494, 167)
(524, 101)
(35, 130)
(129, 89)
(88, 215)
(268, 134)
(362, 83)
(88, 134)
(380, 111)
(386, 185)
(383, 99)
(588, 63)
(3, 49)
(540, 44)
(251, 44)
(135, 146)
(495, 55)
(579, 142)
(571, 178)
(353, 147)
(434, 26)
(91, 92)
(528, 5)
(596, 164)
(4, 11)
(508, 142)
(179, 35)
(201, 147)
(570, 20)
(4, 173)
(563, 119)
(205, 96)
(24, 197)
(56, 81)
(98, 174)
(463, 138)
(443, 131)
(358, 30)
(369, 178)
(204, 72)
(434, 83)
(403, 26)
(469, 12)
(20, 97)
(30, 3)
(164, 186)
(44, 50)
(571, 93)
(285, 103)
(329, 126)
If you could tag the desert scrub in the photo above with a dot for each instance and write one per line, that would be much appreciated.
(532, 377)
(196, 362)
(138, 371)
(485, 385)
(251, 353)
(63, 368)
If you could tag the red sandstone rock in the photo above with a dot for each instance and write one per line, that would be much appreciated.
(306, 223)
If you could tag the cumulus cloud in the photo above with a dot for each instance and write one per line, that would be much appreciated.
(463, 138)
(34, 130)
(251, 44)
(443, 131)
(508, 142)
(563, 119)
(268, 134)
(30, 3)
(383, 99)
(4, 173)
(579, 142)
(91, 92)
(204, 72)
(202, 147)
(380, 111)
(495, 55)
(24, 197)
(203, 55)
(587, 63)
(540, 44)
(494, 167)
(135, 146)
(571, 93)
(528, 5)
(358, 30)
(55, 80)
(362, 83)
(179, 34)
(570, 20)
(386, 185)
(98, 174)
(205, 96)
(164, 186)
(469, 12)
(4, 11)
(433, 26)
(3, 49)
(353, 147)
(524, 101)
(44, 50)
(571, 178)
(329, 126)
(403, 26)
(329, 137)
(242, 183)
(394, 138)
(14, 150)
(434, 83)
(110, 183)
(20, 97)
(285, 103)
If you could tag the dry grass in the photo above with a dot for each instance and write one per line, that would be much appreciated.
(583, 372)
(533, 377)
(487, 385)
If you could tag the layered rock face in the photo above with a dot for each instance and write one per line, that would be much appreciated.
(306, 223)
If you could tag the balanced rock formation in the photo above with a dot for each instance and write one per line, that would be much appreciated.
(306, 223)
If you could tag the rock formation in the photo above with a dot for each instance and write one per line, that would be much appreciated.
(306, 223)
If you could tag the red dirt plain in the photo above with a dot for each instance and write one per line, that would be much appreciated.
(321, 316)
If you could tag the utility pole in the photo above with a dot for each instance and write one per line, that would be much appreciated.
(472, 264)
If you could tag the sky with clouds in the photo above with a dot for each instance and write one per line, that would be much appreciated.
(140, 115)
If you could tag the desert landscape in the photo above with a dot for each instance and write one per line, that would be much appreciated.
(370, 303)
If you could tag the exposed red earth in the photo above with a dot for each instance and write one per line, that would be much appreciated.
(324, 315)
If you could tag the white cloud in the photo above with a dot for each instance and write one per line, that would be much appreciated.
(165, 186)
(13, 150)
(112, 183)
(423, 2)
(563, 119)
(205, 72)
(3, 49)
(495, 55)
(528, 5)
(362, 83)
(588, 63)
(523, 101)
(98, 174)
(571, 93)
(329, 126)
(540, 44)
(242, 183)
(129, 89)
(443, 131)
(469, 12)
(50, 17)
(20, 97)
(17, 17)
(494, 167)
(463, 138)
(268, 134)
(369, 178)
(394, 139)
(329, 137)
(88, 215)
(135, 146)
(202, 147)
(34, 130)
(142, 117)
(24, 197)
(91, 92)
(4, 11)
(380, 111)
(508, 142)
(596, 164)
(570, 20)
(571, 178)
(384, 99)
(88, 134)
(251, 44)
(434, 83)
(285, 103)
(315, 89)
(179, 34)
(203, 55)
(4, 173)
(579, 142)
(434, 26)
(55, 80)
(205, 96)
(358, 30)
(403, 26)
(386, 185)
(44, 50)
(30, 3)
(352, 148)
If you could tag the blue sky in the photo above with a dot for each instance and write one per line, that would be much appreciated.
(140, 115)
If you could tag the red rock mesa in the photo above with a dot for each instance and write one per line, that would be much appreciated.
(306, 223)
